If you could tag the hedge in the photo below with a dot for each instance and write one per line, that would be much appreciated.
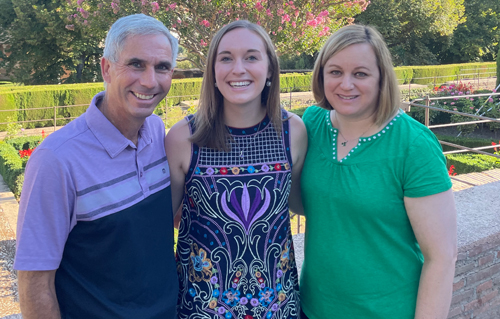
(465, 141)
(11, 167)
(468, 163)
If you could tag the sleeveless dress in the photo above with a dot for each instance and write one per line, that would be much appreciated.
(235, 250)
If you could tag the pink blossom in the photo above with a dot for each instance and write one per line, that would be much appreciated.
(294, 24)
(203, 43)
(312, 23)
(155, 6)
(85, 14)
(70, 27)
(452, 103)
(172, 6)
(79, 2)
(244, 5)
(284, 18)
(472, 99)
(490, 100)
(75, 15)
(296, 13)
(444, 103)
(452, 93)
(259, 6)
(205, 23)
(268, 12)
(280, 12)
(323, 13)
(280, 29)
(85, 22)
(471, 107)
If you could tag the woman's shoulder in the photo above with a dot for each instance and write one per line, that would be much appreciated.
(313, 112)
(180, 132)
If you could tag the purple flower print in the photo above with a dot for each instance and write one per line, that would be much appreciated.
(279, 273)
(214, 280)
(254, 302)
(221, 310)
(243, 300)
(274, 307)
(210, 171)
(265, 168)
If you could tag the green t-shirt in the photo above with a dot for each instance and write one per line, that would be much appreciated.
(362, 259)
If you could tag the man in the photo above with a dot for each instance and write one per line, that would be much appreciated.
(95, 235)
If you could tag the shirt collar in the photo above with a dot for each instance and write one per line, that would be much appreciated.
(113, 141)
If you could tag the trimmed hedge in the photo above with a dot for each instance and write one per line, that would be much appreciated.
(295, 82)
(465, 141)
(11, 167)
(468, 163)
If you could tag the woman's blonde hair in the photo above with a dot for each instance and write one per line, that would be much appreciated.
(209, 119)
(388, 98)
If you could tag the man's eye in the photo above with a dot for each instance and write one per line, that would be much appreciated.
(135, 64)
(163, 67)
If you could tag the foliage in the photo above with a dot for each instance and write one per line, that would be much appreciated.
(297, 62)
(40, 50)
(11, 167)
(464, 141)
(485, 106)
(468, 163)
(498, 67)
(477, 39)
(415, 30)
(294, 26)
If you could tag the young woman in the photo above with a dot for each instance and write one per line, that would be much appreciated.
(381, 228)
(233, 165)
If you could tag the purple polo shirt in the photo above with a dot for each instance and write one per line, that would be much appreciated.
(98, 209)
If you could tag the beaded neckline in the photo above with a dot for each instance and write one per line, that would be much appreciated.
(361, 140)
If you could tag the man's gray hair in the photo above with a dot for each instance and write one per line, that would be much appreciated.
(132, 25)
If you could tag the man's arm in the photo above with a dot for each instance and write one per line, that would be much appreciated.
(299, 150)
(37, 294)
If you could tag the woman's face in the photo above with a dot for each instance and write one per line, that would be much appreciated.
(351, 81)
(241, 68)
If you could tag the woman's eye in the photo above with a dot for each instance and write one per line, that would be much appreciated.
(252, 58)
(361, 74)
(225, 59)
(335, 72)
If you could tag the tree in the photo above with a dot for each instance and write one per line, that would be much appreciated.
(40, 50)
(498, 67)
(478, 38)
(415, 30)
(295, 26)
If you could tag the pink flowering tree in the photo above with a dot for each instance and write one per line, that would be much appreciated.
(295, 26)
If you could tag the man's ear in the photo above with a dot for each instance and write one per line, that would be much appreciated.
(105, 70)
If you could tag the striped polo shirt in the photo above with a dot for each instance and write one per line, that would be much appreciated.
(97, 208)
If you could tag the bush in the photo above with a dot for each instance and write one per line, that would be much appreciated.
(464, 141)
(11, 167)
(25, 142)
(468, 163)
(404, 74)
(295, 82)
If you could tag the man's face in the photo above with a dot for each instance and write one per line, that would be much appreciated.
(140, 78)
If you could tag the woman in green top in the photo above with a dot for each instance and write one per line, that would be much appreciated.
(380, 236)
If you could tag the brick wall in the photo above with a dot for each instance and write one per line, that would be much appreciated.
(476, 288)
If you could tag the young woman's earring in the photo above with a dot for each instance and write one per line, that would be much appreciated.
(268, 83)
(215, 84)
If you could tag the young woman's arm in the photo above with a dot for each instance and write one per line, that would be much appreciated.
(299, 149)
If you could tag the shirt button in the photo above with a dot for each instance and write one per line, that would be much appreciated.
(140, 174)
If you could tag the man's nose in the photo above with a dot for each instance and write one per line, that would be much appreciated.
(148, 77)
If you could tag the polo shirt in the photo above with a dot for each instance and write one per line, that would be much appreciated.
(98, 209)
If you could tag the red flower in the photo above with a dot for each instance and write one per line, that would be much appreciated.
(261, 280)
(496, 148)
(277, 167)
(223, 171)
(451, 171)
(236, 279)
(248, 317)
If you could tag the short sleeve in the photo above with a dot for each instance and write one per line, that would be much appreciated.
(425, 167)
(45, 213)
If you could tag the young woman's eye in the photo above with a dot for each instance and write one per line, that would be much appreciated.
(252, 58)
(225, 59)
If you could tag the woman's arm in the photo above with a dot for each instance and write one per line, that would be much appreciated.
(299, 149)
(178, 149)
(433, 219)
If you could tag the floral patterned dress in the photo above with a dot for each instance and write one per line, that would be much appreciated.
(235, 250)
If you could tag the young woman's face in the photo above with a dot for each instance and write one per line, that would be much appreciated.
(351, 81)
(241, 68)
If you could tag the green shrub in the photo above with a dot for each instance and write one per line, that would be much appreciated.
(404, 74)
(464, 141)
(11, 167)
(468, 163)
(295, 82)
(25, 142)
